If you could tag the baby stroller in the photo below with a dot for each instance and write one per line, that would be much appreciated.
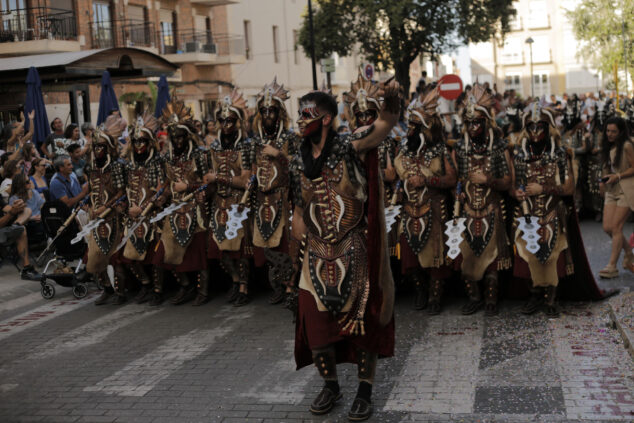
(59, 226)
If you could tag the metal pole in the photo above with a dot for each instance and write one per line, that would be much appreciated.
(625, 51)
(530, 46)
(312, 43)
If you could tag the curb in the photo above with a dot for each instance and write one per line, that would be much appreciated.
(621, 311)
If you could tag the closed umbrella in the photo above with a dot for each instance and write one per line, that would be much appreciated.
(162, 97)
(35, 101)
(107, 99)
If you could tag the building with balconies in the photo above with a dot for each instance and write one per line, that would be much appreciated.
(557, 69)
(191, 34)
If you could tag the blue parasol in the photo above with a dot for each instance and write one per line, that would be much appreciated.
(107, 99)
(35, 101)
(162, 97)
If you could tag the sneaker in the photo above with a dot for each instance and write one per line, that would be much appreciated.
(28, 273)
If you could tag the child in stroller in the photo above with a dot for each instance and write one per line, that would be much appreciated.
(60, 224)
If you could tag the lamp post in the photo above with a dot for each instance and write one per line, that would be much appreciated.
(530, 42)
(312, 43)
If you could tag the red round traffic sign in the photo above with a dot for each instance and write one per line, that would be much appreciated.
(450, 86)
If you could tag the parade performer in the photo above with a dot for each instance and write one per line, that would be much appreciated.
(145, 177)
(574, 137)
(542, 178)
(345, 299)
(230, 173)
(184, 235)
(270, 152)
(594, 139)
(483, 163)
(106, 179)
(362, 109)
(427, 171)
(513, 128)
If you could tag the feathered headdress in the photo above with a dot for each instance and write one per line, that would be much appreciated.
(110, 131)
(537, 113)
(232, 103)
(363, 94)
(145, 126)
(176, 114)
(271, 93)
(424, 107)
(479, 101)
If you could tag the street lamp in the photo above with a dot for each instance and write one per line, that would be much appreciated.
(530, 42)
(312, 44)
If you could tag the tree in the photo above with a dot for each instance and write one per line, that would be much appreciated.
(600, 26)
(393, 33)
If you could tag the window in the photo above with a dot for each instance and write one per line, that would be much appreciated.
(541, 81)
(541, 49)
(102, 27)
(247, 39)
(296, 46)
(512, 52)
(538, 14)
(515, 23)
(513, 81)
(13, 17)
(276, 57)
(168, 37)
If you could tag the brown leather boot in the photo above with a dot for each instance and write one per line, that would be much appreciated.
(475, 298)
(491, 294)
(435, 296)
(550, 305)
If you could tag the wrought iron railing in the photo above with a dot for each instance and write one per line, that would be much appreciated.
(37, 23)
(122, 33)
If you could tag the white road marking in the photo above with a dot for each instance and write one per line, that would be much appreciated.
(6, 387)
(44, 313)
(140, 376)
(440, 371)
(95, 331)
(25, 300)
(289, 386)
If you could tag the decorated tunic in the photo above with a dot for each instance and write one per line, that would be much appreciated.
(105, 182)
(143, 181)
(271, 208)
(486, 242)
(227, 162)
(424, 212)
(550, 210)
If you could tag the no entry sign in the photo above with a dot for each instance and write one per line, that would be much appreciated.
(450, 86)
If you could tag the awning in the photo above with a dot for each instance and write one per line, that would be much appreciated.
(86, 65)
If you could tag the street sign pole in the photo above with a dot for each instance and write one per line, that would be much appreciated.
(328, 82)
(312, 43)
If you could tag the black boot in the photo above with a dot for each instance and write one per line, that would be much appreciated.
(361, 408)
(534, 302)
(420, 300)
(242, 299)
(277, 296)
(491, 294)
(550, 305)
(435, 297)
(233, 292)
(326, 399)
(156, 299)
(143, 295)
(326, 364)
(475, 298)
(200, 300)
(105, 295)
(184, 294)
(119, 299)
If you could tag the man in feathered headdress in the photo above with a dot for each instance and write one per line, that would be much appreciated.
(345, 295)
(230, 173)
(483, 163)
(145, 177)
(574, 137)
(106, 179)
(184, 236)
(271, 149)
(427, 171)
(543, 176)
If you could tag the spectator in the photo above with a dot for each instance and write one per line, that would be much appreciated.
(22, 189)
(11, 168)
(29, 153)
(617, 154)
(57, 126)
(86, 137)
(12, 232)
(76, 157)
(199, 128)
(162, 141)
(65, 186)
(420, 88)
(15, 136)
(37, 175)
(210, 133)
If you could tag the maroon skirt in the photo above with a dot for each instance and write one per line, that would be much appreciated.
(409, 261)
(215, 253)
(258, 252)
(317, 329)
(195, 257)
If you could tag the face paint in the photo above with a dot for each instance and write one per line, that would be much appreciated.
(228, 125)
(99, 150)
(413, 128)
(309, 121)
(270, 115)
(475, 127)
(141, 145)
(537, 131)
(365, 118)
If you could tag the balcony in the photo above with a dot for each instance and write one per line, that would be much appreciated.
(211, 3)
(38, 30)
(512, 58)
(201, 47)
(124, 33)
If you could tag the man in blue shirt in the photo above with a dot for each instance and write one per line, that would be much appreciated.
(65, 186)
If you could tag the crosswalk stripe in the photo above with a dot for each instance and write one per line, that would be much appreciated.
(141, 375)
(440, 371)
(41, 314)
(95, 331)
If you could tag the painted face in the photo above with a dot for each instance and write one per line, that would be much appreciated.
(475, 127)
(178, 137)
(413, 127)
(309, 121)
(228, 124)
(365, 118)
(537, 131)
(141, 145)
(99, 150)
(270, 115)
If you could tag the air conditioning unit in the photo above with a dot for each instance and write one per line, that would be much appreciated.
(209, 48)
(192, 47)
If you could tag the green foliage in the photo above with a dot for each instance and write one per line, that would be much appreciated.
(392, 33)
(600, 29)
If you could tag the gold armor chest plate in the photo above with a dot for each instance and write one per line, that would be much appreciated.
(478, 196)
(183, 170)
(138, 189)
(227, 163)
(102, 187)
(334, 205)
(270, 173)
(418, 200)
(544, 174)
